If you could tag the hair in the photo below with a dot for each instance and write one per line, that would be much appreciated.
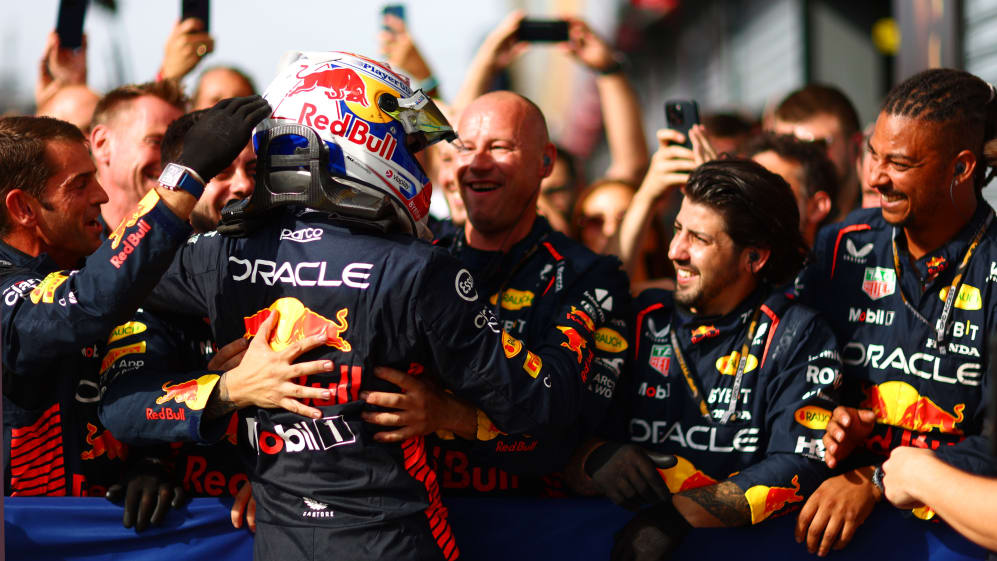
(962, 103)
(819, 99)
(118, 99)
(759, 210)
(576, 213)
(171, 146)
(22, 155)
(819, 173)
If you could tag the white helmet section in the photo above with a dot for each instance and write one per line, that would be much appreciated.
(336, 94)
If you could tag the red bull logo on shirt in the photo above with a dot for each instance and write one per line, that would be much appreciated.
(581, 317)
(194, 393)
(105, 444)
(575, 342)
(684, 476)
(296, 322)
(899, 404)
(766, 501)
(704, 332)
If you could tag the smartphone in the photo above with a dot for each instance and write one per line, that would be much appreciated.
(541, 30)
(200, 9)
(69, 26)
(681, 115)
(397, 10)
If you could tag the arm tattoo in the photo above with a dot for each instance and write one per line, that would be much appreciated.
(725, 501)
(219, 403)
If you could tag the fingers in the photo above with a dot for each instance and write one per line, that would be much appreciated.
(831, 533)
(298, 408)
(304, 345)
(866, 416)
(384, 399)
(816, 531)
(239, 506)
(394, 23)
(396, 377)
(189, 25)
(162, 505)
(268, 325)
(115, 493)
(309, 368)
(804, 519)
(399, 435)
(179, 497)
(667, 136)
(662, 461)
(842, 415)
(147, 503)
(847, 533)
(251, 513)
(228, 356)
(132, 496)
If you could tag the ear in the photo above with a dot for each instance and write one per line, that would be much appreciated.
(20, 208)
(755, 258)
(100, 141)
(856, 145)
(964, 166)
(818, 207)
(548, 159)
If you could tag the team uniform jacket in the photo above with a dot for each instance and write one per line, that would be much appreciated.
(548, 284)
(54, 326)
(771, 448)
(922, 397)
(161, 351)
(325, 484)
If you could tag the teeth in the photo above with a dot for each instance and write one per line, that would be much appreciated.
(683, 274)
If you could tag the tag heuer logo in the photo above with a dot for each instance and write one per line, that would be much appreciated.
(857, 255)
(879, 282)
(661, 358)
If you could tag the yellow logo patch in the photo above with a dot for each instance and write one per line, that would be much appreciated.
(727, 365)
(610, 340)
(968, 298)
(45, 292)
(812, 417)
(113, 355)
(125, 330)
(513, 299)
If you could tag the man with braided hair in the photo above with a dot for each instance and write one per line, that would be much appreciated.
(909, 292)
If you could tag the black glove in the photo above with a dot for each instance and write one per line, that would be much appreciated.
(221, 133)
(148, 491)
(627, 474)
(651, 535)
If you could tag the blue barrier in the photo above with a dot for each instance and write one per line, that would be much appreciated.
(44, 529)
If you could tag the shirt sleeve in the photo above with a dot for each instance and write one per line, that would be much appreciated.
(45, 317)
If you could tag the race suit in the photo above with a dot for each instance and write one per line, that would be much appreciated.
(160, 351)
(771, 446)
(325, 485)
(55, 324)
(921, 396)
(547, 281)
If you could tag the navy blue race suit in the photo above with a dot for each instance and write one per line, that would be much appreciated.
(325, 485)
(922, 397)
(55, 324)
(161, 350)
(548, 283)
(771, 447)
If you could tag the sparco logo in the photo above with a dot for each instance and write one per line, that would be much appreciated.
(870, 315)
(300, 274)
(315, 435)
(303, 235)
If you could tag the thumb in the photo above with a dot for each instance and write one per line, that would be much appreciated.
(662, 461)
(867, 416)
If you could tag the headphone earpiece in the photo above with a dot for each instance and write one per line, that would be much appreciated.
(753, 256)
(960, 168)
(546, 160)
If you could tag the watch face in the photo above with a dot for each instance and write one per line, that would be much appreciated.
(171, 175)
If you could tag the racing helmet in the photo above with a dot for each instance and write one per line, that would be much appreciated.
(350, 127)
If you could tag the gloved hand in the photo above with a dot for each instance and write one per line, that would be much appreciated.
(627, 474)
(651, 535)
(148, 492)
(217, 138)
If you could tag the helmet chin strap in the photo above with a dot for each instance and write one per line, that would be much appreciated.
(303, 179)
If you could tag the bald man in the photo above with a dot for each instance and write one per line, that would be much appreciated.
(218, 83)
(547, 291)
(74, 104)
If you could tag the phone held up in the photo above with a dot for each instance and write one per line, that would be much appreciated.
(200, 9)
(543, 31)
(69, 25)
(681, 115)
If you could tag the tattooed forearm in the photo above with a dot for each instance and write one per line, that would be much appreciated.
(219, 403)
(725, 501)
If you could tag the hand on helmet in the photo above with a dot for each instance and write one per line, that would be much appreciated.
(217, 138)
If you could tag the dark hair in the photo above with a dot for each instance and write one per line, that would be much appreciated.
(961, 102)
(22, 155)
(119, 98)
(819, 173)
(759, 210)
(819, 99)
(171, 146)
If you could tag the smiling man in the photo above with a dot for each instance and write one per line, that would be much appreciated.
(731, 377)
(128, 126)
(908, 290)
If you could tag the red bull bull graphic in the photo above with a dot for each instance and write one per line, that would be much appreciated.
(936, 265)
(297, 322)
(684, 476)
(704, 332)
(766, 501)
(575, 342)
(104, 444)
(336, 83)
(581, 317)
(194, 393)
(145, 206)
(899, 404)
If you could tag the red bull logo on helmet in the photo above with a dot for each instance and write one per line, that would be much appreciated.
(899, 404)
(296, 322)
(766, 501)
(336, 83)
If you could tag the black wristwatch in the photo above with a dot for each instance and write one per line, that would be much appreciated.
(877, 479)
(180, 178)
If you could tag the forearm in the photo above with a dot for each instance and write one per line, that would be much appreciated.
(713, 506)
(627, 242)
(479, 76)
(621, 116)
(966, 501)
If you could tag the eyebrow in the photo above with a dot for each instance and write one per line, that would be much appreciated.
(696, 233)
(889, 155)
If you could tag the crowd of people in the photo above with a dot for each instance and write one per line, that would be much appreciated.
(758, 319)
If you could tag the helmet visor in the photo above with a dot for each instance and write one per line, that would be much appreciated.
(418, 114)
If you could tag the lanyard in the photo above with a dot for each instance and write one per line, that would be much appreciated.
(735, 394)
(942, 325)
(458, 244)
